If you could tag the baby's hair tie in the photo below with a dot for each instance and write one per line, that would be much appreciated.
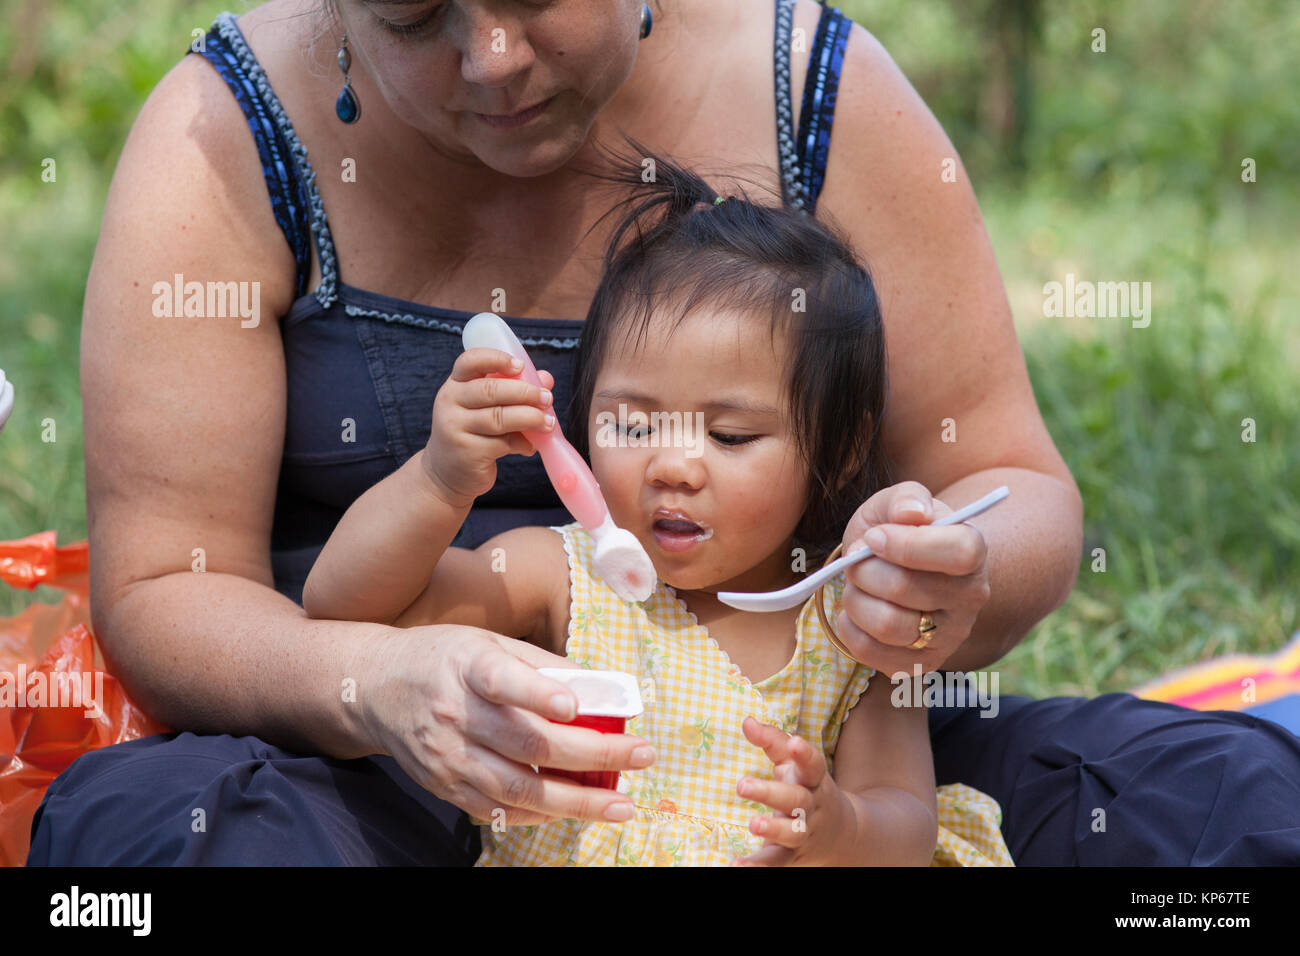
(720, 200)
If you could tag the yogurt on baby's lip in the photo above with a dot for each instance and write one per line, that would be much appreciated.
(603, 693)
(676, 541)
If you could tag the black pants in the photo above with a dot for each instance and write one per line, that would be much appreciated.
(1108, 781)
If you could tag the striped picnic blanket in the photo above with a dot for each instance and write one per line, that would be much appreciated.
(1263, 685)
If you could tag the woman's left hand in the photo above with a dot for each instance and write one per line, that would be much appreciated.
(918, 570)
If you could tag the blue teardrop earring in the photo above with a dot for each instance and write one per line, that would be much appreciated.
(647, 20)
(347, 106)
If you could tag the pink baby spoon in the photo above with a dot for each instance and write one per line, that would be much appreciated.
(620, 560)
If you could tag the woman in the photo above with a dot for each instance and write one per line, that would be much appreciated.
(221, 449)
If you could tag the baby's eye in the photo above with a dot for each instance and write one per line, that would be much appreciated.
(733, 439)
(635, 431)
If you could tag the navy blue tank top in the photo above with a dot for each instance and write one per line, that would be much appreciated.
(363, 368)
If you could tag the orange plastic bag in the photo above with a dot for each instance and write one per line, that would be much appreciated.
(56, 700)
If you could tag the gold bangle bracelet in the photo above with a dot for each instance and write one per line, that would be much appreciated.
(926, 627)
(821, 614)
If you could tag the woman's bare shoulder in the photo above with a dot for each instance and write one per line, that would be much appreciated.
(192, 136)
(707, 95)
(183, 393)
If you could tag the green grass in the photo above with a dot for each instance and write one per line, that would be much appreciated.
(1201, 531)
(75, 78)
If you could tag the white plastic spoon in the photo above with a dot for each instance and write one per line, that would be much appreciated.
(6, 398)
(798, 593)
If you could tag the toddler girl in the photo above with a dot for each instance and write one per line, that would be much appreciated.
(729, 394)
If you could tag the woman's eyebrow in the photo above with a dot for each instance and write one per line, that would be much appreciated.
(726, 403)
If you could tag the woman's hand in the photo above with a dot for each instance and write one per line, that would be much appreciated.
(917, 570)
(814, 812)
(464, 712)
(477, 417)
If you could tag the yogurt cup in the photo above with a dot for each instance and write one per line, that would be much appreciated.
(607, 700)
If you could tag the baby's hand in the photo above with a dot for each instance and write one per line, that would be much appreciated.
(477, 418)
(812, 810)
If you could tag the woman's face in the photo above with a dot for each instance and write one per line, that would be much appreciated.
(739, 476)
(470, 63)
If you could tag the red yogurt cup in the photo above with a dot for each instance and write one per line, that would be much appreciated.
(607, 700)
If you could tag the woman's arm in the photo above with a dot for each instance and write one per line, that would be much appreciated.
(962, 418)
(1033, 556)
(184, 429)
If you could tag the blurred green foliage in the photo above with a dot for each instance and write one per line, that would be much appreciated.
(75, 76)
(1181, 94)
(1122, 165)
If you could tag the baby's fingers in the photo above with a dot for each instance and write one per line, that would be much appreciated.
(476, 363)
(782, 797)
(810, 762)
(774, 741)
(483, 363)
(770, 855)
(790, 833)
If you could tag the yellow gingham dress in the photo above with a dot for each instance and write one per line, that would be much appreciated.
(687, 809)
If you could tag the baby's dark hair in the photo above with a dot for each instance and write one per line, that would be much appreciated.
(677, 247)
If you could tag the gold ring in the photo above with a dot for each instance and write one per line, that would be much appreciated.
(926, 627)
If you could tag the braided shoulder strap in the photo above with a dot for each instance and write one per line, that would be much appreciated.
(791, 188)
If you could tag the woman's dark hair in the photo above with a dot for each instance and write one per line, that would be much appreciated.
(675, 248)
